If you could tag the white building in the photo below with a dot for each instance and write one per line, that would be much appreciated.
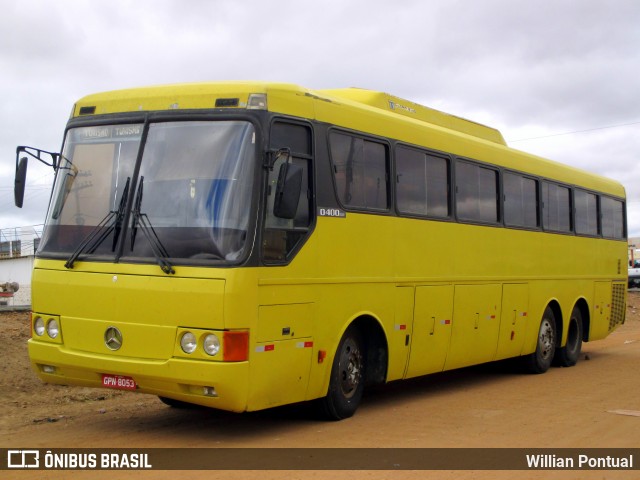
(17, 250)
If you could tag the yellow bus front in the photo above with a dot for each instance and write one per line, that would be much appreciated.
(129, 328)
(152, 228)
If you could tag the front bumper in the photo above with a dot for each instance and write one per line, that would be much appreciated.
(176, 378)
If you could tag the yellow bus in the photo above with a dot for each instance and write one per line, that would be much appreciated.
(247, 245)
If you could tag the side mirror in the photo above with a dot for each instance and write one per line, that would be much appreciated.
(288, 191)
(20, 181)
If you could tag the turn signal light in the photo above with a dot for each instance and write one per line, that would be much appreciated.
(236, 346)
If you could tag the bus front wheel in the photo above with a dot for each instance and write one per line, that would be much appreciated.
(347, 377)
(540, 360)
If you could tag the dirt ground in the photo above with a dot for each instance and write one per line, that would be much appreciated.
(590, 405)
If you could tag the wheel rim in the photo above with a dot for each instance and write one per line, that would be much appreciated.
(546, 340)
(350, 368)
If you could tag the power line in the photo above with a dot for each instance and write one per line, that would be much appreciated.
(575, 131)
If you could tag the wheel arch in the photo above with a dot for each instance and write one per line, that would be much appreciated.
(554, 305)
(582, 305)
(376, 346)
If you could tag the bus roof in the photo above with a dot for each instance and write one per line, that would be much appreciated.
(400, 106)
(203, 95)
(350, 108)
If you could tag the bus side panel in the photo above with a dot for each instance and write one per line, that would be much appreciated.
(476, 324)
(279, 373)
(282, 347)
(402, 331)
(339, 306)
(431, 329)
(514, 320)
(601, 311)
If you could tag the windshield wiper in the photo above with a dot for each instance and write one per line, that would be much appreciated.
(142, 220)
(112, 222)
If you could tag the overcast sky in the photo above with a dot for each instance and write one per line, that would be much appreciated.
(559, 78)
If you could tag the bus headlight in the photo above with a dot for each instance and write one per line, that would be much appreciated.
(53, 329)
(211, 344)
(188, 342)
(38, 326)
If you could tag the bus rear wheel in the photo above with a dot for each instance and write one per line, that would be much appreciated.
(540, 360)
(568, 355)
(347, 378)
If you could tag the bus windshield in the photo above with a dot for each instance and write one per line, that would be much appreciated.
(192, 198)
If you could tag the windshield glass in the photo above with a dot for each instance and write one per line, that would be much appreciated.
(94, 167)
(192, 198)
(196, 189)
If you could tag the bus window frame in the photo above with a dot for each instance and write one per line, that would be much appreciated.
(624, 216)
(450, 217)
(499, 203)
(572, 228)
(264, 182)
(254, 117)
(390, 210)
(538, 181)
(575, 212)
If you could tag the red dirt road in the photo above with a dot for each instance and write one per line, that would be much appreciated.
(489, 406)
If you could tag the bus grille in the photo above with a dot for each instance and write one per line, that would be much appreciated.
(617, 305)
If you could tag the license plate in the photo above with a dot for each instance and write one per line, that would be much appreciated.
(118, 381)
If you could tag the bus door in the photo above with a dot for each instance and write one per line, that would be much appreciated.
(432, 317)
(476, 324)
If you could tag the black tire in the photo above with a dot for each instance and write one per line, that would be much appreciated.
(347, 378)
(568, 355)
(540, 360)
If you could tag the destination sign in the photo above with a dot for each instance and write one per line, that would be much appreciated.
(106, 132)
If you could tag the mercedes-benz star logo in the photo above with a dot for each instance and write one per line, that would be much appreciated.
(113, 338)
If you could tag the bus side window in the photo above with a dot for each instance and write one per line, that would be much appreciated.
(422, 183)
(360, 171)
(282, 235)
(556, 211)
(613, 225)
(520, 201)
(586, 211)
(476, 193)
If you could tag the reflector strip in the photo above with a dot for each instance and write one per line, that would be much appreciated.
(304, 344)
(523, 314)
(445, 322)
(400, 327)
(265, 348)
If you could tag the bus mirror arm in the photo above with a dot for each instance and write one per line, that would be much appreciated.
(21, 168)
(272, 157)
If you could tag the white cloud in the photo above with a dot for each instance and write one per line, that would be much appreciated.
(540, 67)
